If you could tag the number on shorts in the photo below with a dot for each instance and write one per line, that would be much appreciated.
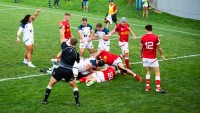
(110, 75)
(149, 45)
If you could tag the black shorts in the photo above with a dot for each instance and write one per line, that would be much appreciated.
(114, 18)
(65, 73)
(80, 76)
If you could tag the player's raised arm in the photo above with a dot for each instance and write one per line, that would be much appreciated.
(62, 31)
(36, 13)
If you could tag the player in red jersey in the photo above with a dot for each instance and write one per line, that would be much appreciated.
(67, 34)
(148, 45)
(104, 75)
(123, 30)
(112, 59)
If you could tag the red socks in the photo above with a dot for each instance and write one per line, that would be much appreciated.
(83, 79)
(127, 62)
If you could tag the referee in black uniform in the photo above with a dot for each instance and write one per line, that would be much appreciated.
(68, 57)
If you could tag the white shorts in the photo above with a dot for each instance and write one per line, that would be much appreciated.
(28, 41)
(145, 5)
(99, 76)
(117, 61)
(88, 45)
(104, 46)
(109, 18)
(75, 68)
(124, 47)
(150, 62)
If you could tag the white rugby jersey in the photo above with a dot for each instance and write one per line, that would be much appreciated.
(101, 34)
(27, 30)
(85, 31)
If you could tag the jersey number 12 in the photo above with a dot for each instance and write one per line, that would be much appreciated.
(149, 45)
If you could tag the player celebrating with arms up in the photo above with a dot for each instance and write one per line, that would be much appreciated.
(123, 30)
(148, 45)
(27, 28)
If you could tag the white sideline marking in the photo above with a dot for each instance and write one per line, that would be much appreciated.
(5, 79)
(181, 57)
(173, 30)
(9, 9)
(29, 76)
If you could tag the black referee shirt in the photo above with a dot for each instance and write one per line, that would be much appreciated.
(69, 56)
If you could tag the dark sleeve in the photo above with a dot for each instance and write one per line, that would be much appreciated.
(95, 31)
(106, 31)
(90, 27)
(63, 45)
(80, 27)
(22, 25)
(78, 58)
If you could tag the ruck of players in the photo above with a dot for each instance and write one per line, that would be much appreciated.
(103, 65)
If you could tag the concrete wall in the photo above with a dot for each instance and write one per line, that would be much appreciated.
(182, 8)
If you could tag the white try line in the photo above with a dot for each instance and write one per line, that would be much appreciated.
(172, 30)
(30, 76)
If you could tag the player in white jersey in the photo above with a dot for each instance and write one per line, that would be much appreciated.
(27, 28)
(85, 33)
(101, 33)
(86, 66)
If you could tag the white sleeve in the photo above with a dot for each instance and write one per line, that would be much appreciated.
(20, 30)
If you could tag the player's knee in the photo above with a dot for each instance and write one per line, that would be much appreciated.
(126, 52)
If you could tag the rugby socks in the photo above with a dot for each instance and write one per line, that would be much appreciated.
(121, 56)
(49, 2)
(126, 59)
(157, 82)
(83, 79)
(48, 91)
(76, 95)
(147, 82)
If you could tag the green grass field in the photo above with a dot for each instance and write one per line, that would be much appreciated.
(180, 73)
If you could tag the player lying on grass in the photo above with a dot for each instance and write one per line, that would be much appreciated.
(86, 67)
(112, 59)
(104, 75)
(81, 69)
